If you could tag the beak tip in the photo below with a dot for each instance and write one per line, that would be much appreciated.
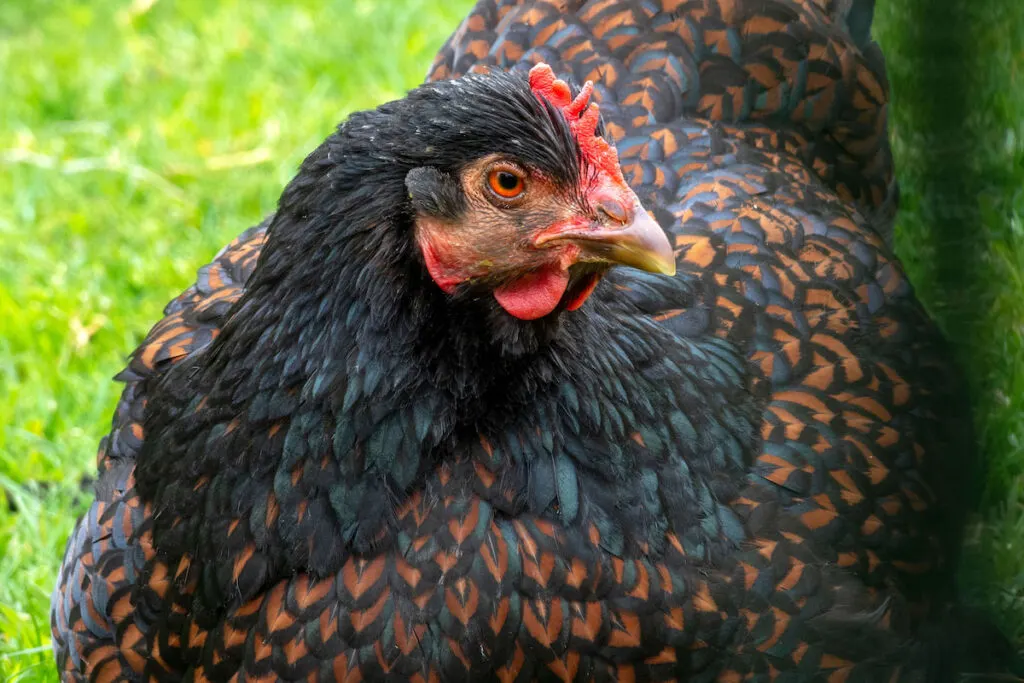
(664, 264)
(663, 257)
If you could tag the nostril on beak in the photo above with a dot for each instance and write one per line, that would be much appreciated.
(616, 210)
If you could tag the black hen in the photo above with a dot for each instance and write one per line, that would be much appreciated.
(413, 428)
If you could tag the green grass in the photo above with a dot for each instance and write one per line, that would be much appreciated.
(138, 137)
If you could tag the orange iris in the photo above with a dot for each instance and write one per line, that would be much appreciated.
(505, 183)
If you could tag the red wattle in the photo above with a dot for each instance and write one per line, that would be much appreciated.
(535, 294)
(584, 294)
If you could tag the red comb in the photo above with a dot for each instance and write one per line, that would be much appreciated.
(582, 116)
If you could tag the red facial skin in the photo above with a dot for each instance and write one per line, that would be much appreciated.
(609, 227)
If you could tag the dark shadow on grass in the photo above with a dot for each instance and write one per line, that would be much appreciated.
(934, 93)
(945, 76)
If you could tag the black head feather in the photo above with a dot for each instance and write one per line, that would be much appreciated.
(441, 126)
(350, 209)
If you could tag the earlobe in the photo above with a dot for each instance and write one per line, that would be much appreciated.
(445, 275)
(435, 193)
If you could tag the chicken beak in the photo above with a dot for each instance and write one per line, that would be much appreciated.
(640, 243)
(629, 237)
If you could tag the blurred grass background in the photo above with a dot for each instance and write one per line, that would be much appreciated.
(137, 137)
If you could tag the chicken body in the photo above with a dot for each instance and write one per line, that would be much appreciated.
(749, 471)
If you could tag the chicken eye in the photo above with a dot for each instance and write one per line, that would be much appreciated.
(505, 183)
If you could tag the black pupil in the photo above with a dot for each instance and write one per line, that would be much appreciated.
(508, 181)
